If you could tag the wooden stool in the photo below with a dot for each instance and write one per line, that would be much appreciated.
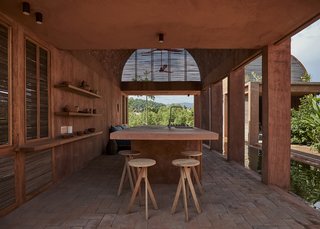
(142, 165)
(194, 155)
(185, 170)
(128, 154)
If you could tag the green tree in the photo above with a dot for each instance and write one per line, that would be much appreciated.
(306, 77)
(148, 112)
(305, 122)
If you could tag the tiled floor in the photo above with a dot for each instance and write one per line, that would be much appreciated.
(233, 199)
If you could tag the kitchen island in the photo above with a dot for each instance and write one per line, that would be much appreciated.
(164, 144)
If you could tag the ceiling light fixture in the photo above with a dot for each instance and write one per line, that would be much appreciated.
(25, 8)
(161, 38)
(39, 18)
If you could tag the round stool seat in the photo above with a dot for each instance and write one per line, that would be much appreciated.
(185, 162)
(191, 153)
(142, 162)
(129, 153)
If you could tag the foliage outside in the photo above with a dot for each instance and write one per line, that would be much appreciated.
(253, 77)
(305, 181)
(306, 77)
(305, 122)
(148, 112)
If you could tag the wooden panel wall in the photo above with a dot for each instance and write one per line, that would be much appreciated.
(64, 66)
(70, 67)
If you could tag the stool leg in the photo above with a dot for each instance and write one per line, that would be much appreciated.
(195, 174)
(135, 191)
(122, 178)
(176, 198)
(153, 199)
(193, 193)
(146, 191)
(140, 197)
(183, 175)
(129, 174)
(134, 175)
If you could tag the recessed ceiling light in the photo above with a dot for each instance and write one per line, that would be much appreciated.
(39, 18)
(161, 38)
(25, 8)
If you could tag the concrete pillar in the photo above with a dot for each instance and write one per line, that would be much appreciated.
(276, 127)
(197, 111)
(236, 116)
(216, 115)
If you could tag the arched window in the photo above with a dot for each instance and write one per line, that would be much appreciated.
(161, 65)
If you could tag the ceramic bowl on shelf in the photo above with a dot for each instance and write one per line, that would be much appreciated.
(66, 108)
(91, 130)
(80, 132)
(67, 135)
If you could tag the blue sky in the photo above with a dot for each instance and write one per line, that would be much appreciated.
(305, 46)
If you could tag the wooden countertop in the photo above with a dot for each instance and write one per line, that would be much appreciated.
(163, 133)
(46, 144)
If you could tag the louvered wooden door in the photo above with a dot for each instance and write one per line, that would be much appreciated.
(7, 181)
(38, 171)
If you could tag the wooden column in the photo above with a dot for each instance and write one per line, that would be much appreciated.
(197, 111)
(253, 113)
(236, 116)
(216, 115)
(276, 99)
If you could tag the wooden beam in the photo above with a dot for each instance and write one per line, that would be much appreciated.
(276, 126)
(236, 116)
(161, 88)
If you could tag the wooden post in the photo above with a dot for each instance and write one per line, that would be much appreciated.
(197, 111)
(216, 115)
(276, 83)
(253, 113)
(236, 116)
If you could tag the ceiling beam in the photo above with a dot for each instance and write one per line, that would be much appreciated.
(161, 88)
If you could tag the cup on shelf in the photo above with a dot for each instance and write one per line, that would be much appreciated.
(69, 130)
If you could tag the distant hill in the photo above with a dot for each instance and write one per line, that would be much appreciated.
(188, 105)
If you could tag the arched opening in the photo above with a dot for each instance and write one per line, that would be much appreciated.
(157, 66)
(160, 65)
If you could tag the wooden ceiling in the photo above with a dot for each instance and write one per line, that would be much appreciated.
(220, 35)
(132, 24)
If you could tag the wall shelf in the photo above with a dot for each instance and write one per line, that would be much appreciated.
(76, 114)
(46, 144)
(77, 90)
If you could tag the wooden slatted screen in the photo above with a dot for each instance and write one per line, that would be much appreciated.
(144, 65)
(7, 181)
(44, 105)
(4, 86)
(37, 105)
(38, 170)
